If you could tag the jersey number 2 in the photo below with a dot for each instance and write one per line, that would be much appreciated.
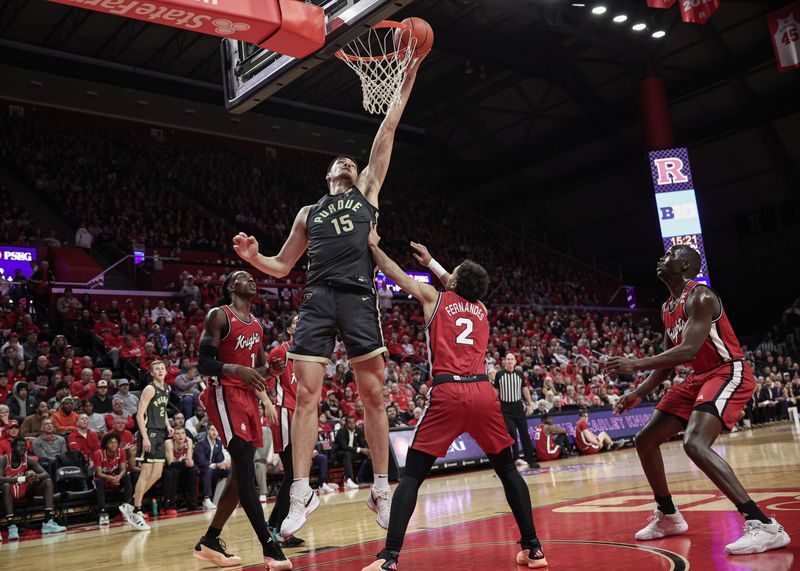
(463, 337)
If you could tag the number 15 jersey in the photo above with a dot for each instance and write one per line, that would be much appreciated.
(338, 229)
(457, 334)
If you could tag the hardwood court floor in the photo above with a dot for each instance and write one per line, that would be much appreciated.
(586, 511)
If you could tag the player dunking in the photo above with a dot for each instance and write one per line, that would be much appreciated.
(462, 400)
(340, 296)
(699, 335)
(151, 419)
(230, 352)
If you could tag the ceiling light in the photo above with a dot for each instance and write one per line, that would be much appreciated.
(639, 27)
(621, 18)
(599, 10)
(579, 4)
(659, 34)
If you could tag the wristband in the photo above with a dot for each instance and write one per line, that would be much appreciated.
(208, 364)
(20, 479)
(437, 268)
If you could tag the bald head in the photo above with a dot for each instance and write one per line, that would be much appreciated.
(690, 255)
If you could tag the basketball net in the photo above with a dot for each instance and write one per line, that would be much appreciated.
(380, 64)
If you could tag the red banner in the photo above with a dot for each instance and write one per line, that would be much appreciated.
(662, 4)
(296, 27)
(784, 29)
(698, 11)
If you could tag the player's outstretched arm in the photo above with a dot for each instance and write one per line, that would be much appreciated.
(701, 307)
(371, 178)
(423, 292)
(280, 265)
(210, 365)
(423, 256)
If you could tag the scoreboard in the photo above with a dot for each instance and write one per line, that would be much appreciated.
(676, 205)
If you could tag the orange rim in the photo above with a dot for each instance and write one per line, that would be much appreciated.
(384, 24)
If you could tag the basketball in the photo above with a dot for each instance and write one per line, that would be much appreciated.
(423, 34)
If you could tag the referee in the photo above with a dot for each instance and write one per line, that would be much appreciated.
(510, 388)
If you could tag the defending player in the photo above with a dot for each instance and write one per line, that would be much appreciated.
(230, 353)
(462, 400)
(699, 335)
(286, 395)
(586, 441)
(340, 297)
(151, 419)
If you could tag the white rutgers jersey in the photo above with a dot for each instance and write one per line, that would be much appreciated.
(787, 42)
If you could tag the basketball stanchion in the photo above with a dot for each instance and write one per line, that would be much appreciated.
(290, 27)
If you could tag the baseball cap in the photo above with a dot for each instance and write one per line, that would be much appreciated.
(102, 383)
(123, 382)
(12, 423)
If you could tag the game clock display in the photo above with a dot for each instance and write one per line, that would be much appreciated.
(678, 215)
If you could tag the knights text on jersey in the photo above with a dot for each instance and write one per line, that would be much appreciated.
(338, 229)
(721, 346)
(285, 383)
(458, 334)
(240, 346)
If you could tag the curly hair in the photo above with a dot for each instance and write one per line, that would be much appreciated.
(472, 280)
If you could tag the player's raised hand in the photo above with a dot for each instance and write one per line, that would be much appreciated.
(421, 254)
(374, 239)
(245, 246)
(627, 402)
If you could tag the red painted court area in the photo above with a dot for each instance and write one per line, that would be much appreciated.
(591, 533)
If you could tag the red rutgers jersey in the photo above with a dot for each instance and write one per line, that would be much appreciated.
(240, 346)
(180, 453)
(458, 334)
(584, 445)
(546, 447)
(286, 383)
(109, 463)
(721, 345)
(18, 491)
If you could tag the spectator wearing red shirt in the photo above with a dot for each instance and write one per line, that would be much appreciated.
(130, 348)
(118, 412)
(85, 388)
(359, 413)
(113, 342)
(417, 416)
(103, 325)
(5, 386)
(130, 312)
(84, 440)
(348, 403)
(126, 440)
(395, 348)
(147, 358)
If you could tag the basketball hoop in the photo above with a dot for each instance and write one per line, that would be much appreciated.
(380, 63)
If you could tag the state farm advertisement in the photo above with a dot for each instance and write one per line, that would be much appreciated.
(250, 21)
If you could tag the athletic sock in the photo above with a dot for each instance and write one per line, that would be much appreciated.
(381, 481)
(213, 532)
(751, 511)
(48, 514)
(10, 519)
(137, 509)
(303, 483)
(665, 505)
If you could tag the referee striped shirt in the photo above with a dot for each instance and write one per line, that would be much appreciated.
(509, 385)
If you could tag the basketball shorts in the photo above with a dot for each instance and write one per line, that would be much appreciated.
(282, 431)
(157, 452)
(587, 449)
(728, 388)
(326, 311)
(234, 412)
(458, 407)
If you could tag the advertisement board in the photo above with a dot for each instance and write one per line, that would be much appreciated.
(464, 451)
(14, 258)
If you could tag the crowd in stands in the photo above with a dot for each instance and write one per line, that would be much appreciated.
(92, 176)
(70, 371)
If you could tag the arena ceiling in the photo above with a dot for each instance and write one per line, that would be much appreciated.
(531, 102)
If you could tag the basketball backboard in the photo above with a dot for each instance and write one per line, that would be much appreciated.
(251, 74)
